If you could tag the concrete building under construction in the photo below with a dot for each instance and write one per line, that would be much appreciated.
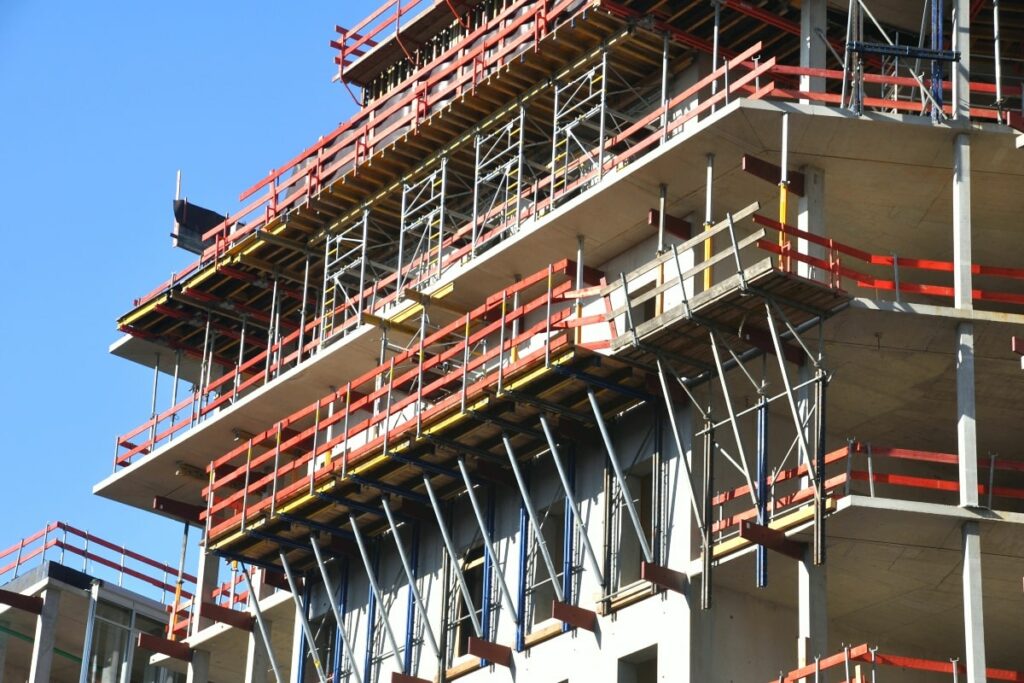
(609, 340)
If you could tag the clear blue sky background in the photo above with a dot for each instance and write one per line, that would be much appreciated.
(101, 103)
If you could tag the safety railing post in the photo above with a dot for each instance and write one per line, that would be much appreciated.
(245, 489)
(345, 448)
(316, 445)
(17, 559)
(871, 472)
(419, 374)
(465, 364)
(602, 125)
(849, 465)
(276, 467)
(549, 301)
(501, 341)
(896, 275)
(991, 476)
(154, 415)
(387, 409)
(664, 87)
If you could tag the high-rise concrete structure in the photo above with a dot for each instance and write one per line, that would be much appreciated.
(610, 340)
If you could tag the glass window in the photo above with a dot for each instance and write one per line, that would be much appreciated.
(108, 656)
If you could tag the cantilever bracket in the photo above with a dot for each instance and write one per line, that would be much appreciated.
(492, 652)
(666, 578)
(773, 539)
(576, 617)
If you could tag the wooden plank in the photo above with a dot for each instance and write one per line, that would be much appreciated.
(666, 578)
(492, 652)
(163, 646)
(25, 603)
(577, 617)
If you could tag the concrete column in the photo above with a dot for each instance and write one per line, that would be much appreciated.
(199, 667)
(298, 644)
(45, 638)
(206, 581)
(966, 427)
(812, 598)
(962, 68)
(811, 219)
(812, 44)
(3, 655)
(962, 258)
(257, 659)
(675, 656)
(974, 626)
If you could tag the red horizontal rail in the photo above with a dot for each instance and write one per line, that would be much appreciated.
(368, 401)
(56, 535)
(863, 653)
(834, 265)
(895, 479)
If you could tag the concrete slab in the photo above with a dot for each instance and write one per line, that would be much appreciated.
(871, 203)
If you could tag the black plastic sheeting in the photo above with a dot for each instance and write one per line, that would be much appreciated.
(191, 221)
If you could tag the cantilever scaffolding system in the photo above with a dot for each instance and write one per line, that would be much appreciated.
(479, 124)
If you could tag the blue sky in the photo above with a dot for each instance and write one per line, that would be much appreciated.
(101, 104)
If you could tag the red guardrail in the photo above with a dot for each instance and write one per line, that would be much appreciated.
(62, 537)
(787, 492)
(856, 658)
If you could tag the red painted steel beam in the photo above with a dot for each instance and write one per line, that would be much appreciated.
(25, 603)
(405, 678)
(186, 512)
(277, 580)
(772, 539)
(765, 170)
(763, 341)
(163, 646)
(673, 226)
(227, 616)
(666, 578)
(577, 617)
(492, 652)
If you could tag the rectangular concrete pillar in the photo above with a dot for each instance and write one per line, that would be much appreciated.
(963, 281)
(974, 625)
(966, 426)
(812, 607)
(3, 655)
(962, 67)
(199, 667)
(811, 218)
(207, 579)
(45, 638)
(257, 659)
(812, 43)
(675, 658)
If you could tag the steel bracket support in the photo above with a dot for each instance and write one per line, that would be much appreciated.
(773, 539)
(666, 578)
(452, 555)
(378, 594)
(576, 617)
(620, 476)
(339, 618)
(492, 652)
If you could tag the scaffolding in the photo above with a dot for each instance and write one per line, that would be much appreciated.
(480, 131)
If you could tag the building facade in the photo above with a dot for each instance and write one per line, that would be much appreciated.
(622, 340)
